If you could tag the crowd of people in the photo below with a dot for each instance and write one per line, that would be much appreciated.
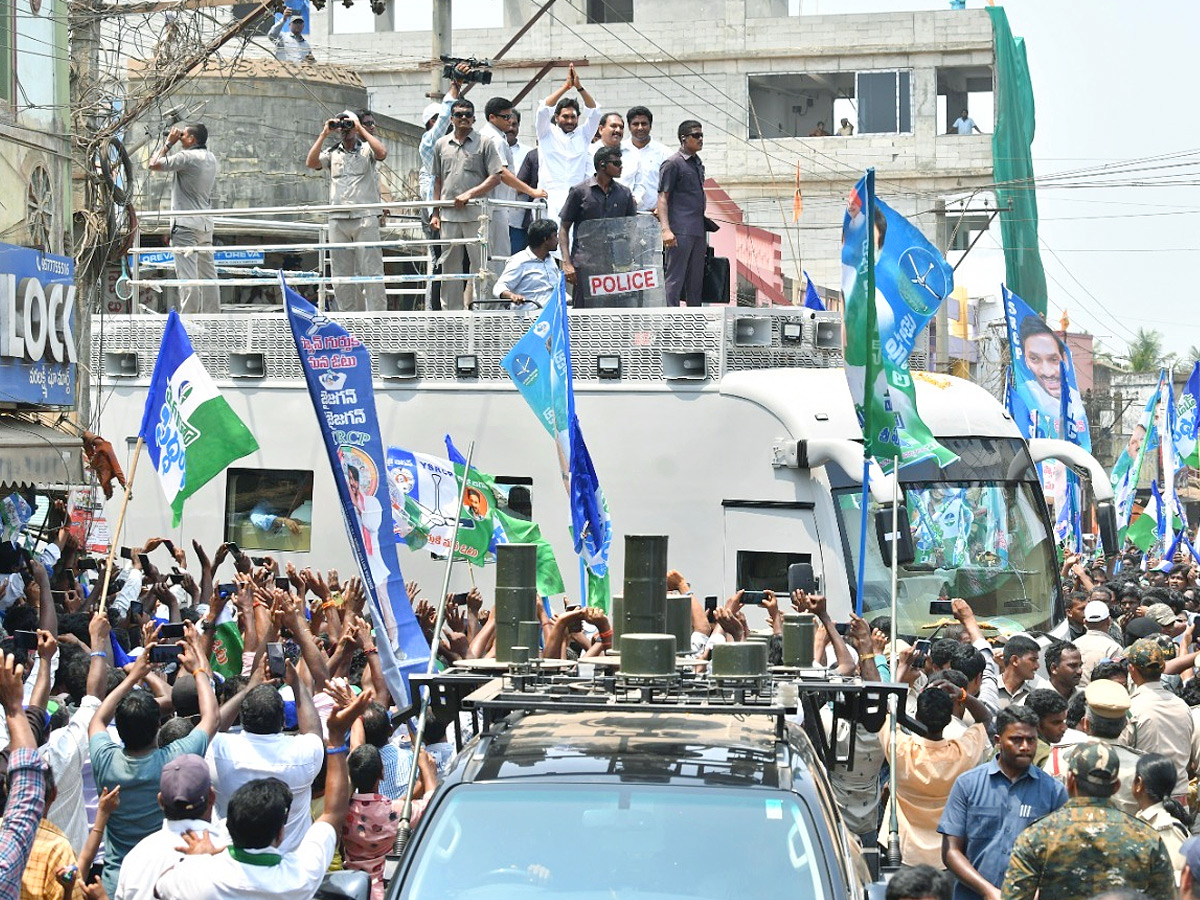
(583, 167)
(1079, 784)
(132, 768)
(184, 736)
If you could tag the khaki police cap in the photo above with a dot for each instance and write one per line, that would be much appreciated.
(1106, 699)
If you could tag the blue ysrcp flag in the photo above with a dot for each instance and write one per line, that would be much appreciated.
(1128, 469)
(1042, 388)
(893, 280)
(337, 369)
(540, 366)
(811, 299)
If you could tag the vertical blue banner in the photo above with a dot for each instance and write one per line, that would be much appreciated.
(337, 369)
(1042, 384)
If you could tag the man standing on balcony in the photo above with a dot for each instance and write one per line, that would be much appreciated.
(964, 124)
(353, 180)
(465, 166)
(195, 171)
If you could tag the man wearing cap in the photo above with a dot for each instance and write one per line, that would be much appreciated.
(1189, 878)
(989, 805)
(1107, 712)
(291, 46)
(1095, 643)
(186, 797)
(1159, 722)
(353, 181)
(1089, 846)
(1171, 622)
(255, 864)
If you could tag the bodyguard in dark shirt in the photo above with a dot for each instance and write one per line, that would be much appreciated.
(600, 197)
(681, 204)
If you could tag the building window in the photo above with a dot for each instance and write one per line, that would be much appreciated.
(965, 87)
(608, 12)
(832, 104)
(269, 509)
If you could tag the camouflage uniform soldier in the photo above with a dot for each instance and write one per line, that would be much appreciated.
(1089, 846)
(1105, 719)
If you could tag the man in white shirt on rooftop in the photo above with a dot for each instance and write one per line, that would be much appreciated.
(643, 157)
(565, 135)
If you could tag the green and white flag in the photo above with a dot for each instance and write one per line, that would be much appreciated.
(189, 430)
(227, 645)
(1151, 526)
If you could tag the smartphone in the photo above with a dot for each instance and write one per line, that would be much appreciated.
(920, 651)
(126, 553)
(164, 653)
(144, 562)
(87, 563)
(258, 560)
(24, 640)
(276, 661)
(941, 608)
(801, 578)
(459, 599)
(233, 548)
(283, 582)
(172, 631)
(169, 545)
(229, 588)
(843, 628)
(176, 577)
(710, 607)
(136, 609)
(753, 598)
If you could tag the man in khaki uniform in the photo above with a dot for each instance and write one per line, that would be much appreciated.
(1095, 643)
(1159, 722)
(1105, 719)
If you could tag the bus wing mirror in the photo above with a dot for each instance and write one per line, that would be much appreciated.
(1106, 518)
(902, 539)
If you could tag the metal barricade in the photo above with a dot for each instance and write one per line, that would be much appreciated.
(296, 240)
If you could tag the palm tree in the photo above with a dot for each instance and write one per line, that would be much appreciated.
(1145, 351)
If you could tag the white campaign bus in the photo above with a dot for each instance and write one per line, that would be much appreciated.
(729, 430)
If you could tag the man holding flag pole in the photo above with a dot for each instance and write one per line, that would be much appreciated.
(893, 280)
(188, 429)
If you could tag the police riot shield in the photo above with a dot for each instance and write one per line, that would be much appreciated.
(619, 263)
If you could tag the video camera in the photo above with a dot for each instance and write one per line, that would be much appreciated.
(479, 71)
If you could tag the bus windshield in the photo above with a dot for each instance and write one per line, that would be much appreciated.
(985, 540)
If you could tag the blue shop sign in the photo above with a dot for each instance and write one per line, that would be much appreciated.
(38, 351)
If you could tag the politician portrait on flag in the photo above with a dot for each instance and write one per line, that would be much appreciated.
(1043, 378)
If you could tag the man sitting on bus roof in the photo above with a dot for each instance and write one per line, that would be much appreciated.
(531, 276)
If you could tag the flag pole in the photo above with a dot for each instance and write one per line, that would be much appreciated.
(115, 534)
(862, 537)
(405, 828)
(893, 850)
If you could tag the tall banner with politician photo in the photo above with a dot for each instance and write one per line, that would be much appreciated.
(1043, 396)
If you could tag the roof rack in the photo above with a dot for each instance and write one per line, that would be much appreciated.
(490, 696)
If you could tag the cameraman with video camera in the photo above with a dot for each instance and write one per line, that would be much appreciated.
(353, 180)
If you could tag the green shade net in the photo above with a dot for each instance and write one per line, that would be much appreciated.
(1012, 166)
